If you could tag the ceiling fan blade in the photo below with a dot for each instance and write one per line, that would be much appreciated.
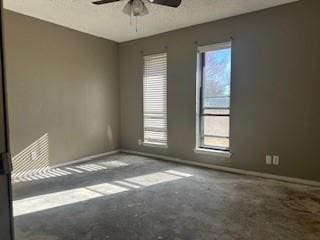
(105, 1)
(169, 3)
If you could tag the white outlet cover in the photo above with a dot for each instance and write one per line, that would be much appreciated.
(275, 160)
(139, 142)
(268, 160)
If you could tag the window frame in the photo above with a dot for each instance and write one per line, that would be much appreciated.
(200, 146)
(143, 142)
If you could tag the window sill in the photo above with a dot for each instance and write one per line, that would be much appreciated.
(155, 145)
(213, 152)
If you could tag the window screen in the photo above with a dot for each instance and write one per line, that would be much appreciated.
(155, 99)
(214, 119)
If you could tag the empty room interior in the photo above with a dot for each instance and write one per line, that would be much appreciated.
(162, 119)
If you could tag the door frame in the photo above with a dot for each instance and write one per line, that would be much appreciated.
(6, 118)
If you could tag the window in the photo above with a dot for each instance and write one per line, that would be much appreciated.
(155, 100)
(214, 80)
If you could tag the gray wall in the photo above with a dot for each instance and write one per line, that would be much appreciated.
(275, 89)
(63, 89)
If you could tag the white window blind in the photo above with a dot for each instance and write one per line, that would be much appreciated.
(155, 99)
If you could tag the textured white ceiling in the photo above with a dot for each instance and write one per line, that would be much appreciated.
(108, 21)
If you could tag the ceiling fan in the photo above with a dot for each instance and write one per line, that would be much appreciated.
(136, 8)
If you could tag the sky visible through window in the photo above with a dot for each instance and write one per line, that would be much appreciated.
(217, 78)
(216, 98)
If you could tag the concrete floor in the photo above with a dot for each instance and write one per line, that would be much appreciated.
(126, 197)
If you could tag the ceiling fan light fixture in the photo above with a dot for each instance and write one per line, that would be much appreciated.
(135, 8)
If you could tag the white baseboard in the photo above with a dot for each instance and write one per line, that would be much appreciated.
(85, 159)
(227, 169)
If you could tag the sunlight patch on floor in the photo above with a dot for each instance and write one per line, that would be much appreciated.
(107, 188)
(127, 184)
(48, 172)
(63, 198)
(154, 178)
(52, 200)
(113, 164)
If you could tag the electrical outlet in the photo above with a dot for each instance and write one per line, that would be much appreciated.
(34, 155)
(268, 160)
(139, 142)
(276, 160)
